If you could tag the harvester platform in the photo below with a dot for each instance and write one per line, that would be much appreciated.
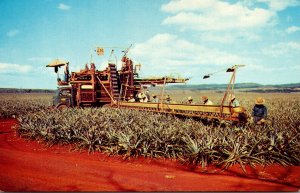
(227, 113)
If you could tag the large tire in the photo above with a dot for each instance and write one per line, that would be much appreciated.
(61, 107)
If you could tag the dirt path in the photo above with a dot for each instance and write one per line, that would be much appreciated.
(30, 166)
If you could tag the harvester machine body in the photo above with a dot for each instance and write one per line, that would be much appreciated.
(91, 87)
(114, 88)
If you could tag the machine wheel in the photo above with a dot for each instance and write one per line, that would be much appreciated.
(106, 106)
(62, 107)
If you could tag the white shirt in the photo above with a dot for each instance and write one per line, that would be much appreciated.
(208, 102)
(131, 100)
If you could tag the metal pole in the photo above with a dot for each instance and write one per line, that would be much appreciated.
(232, 88)
(233, 81)
(126, 87)
(106, 90)
(120, 95)
(162, 93)
(225, 95)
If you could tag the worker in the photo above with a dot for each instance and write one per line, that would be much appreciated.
(206, 101)
(168, 99)
(93, 67)
(142, 97)
(139, 96)
(66, 71)
(190, 101)
(233, 101)
(259, 112)
(131, 98)
(154, 98)
(146, 92)
(86, 67)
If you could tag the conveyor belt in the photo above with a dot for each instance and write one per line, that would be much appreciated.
(228, 113)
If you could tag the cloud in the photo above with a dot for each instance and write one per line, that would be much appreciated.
(286, 49)
(292, 29)
(14, 68)
(64, 7)
(12, 33)
(40, 59)
(279, 5)
(187, 5)
(169, 53)
(223, 21)
(263, 68)
(228, 37)
(213, 15)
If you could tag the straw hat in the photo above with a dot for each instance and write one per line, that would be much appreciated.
(168, 97)
(190, 98)
(154, 95)
(231, 97)
(204, 98)
(141, 95)
(259, 101)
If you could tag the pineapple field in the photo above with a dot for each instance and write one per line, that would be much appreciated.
(109, 149)
(132, 133)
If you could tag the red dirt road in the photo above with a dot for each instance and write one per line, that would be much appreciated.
(30, 166)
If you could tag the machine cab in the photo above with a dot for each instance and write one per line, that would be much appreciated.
(63, 97)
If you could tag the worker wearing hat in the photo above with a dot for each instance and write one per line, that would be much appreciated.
(142, 97)
(206, 101)
(131, 98)
(233, 102)
(154, 98)
(168, 99)
(259, 112)
(66, 72)
(146, 92)
(190, 101)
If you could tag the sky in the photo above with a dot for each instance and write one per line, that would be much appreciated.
(187, 38)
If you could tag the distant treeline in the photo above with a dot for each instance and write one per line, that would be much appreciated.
(15, 90)
(248, 87)
(243, 87)
(213, 86)
(283, 90)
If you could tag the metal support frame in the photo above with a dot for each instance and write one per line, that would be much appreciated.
(112, 99)
(230, 84)
(162, 93)
(204, 111)
(230, 87)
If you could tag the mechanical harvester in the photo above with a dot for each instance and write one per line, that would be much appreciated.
(114, 88)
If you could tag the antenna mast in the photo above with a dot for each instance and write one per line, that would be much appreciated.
(127, 50)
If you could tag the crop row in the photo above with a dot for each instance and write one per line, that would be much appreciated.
(133, 133)
(16, 105)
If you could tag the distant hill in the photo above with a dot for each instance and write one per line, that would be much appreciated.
(244, 87)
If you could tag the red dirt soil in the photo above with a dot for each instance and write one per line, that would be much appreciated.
(31, 166)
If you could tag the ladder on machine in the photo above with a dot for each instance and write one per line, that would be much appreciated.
(114, 81)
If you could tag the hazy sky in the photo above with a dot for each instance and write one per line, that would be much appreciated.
(186, 37)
